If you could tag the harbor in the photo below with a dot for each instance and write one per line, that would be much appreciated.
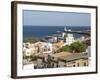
(58, 50)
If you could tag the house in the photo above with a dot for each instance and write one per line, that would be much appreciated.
(44, 47)
(28, 49)
(37, 48)
(63, 59)
(68, 37)
(88, 51)
(73, 60)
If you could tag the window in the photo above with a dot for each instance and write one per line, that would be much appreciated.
(52, 57)
(85, 64)
(78, 64)
(57, 65)
(74, 65)
(44, 65)
(64, 65)
(53, 64)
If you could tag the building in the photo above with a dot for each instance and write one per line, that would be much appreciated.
(62, 59)
(28, 49)
(64, 36)
(36, 48)
(46, 61)
(88, 51)
(67, 37)
(73, 60)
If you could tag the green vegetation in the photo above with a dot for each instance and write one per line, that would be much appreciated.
(33, 58)
(78, 47)
(25, 57)
(64, 48)
(74, 47)
(88, 42)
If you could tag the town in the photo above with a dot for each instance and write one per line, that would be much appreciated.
(60, 50)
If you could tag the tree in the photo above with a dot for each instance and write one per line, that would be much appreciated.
(33, 57)
(78, 47)
(64, 48)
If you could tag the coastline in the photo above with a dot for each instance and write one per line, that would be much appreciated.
(32, 39)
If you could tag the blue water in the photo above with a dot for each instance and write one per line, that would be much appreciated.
(43, 31)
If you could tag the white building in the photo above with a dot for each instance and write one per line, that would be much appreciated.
(37, 48)
(88, 50)
(68, 37)
(46, 48)
(28, 49)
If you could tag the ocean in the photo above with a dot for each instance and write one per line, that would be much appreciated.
(43, 31)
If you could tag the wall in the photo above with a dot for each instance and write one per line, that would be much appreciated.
(5, 41)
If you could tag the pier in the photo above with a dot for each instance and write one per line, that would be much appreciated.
(87, 32)
(79, 32)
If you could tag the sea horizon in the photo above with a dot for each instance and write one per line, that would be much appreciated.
(52, 26)
(43, 31)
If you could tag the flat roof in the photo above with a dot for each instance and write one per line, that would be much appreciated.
(69, 56)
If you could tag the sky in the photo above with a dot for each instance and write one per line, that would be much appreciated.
(50, 18)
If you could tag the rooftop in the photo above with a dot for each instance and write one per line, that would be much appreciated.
(71, 56)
